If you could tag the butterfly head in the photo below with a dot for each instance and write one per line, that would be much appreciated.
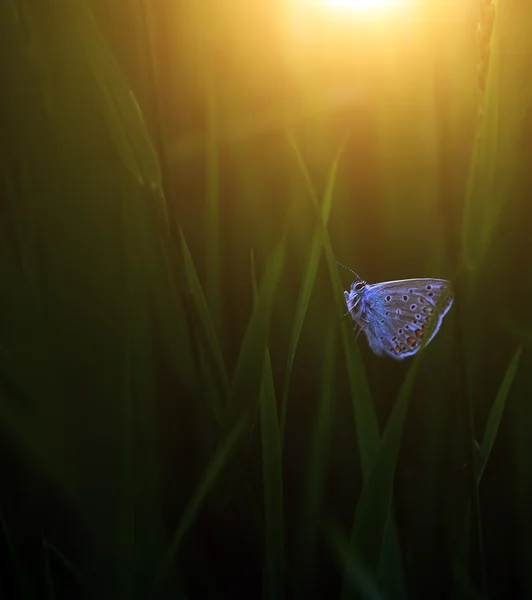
(354, 296)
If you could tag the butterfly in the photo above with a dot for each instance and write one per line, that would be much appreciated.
(399, 317)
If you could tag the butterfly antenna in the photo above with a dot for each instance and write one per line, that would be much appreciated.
(351, 270)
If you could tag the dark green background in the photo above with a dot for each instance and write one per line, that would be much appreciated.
(184, 411)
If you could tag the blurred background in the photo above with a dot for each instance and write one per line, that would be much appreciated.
(185, 412)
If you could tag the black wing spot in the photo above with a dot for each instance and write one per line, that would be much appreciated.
(411, 291)
(400, 331)
(429, 287)
(382, 320)
(387, 312)
(418, 316)
(394, 339)
(398, 311)
(405, 298)
(430, 294)
(407, 326)
(388, 298)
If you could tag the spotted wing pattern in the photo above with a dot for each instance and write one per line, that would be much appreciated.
(400, 317)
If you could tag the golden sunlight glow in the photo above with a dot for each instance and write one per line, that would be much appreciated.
(357, 5)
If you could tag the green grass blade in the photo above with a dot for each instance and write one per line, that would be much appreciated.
(251, 355)
(73, 569)
(307, 285)
(374, 509)
(317, 465)
(494, 173)
(365, 418)
(204, 315)
(357, 579)
(205, 486)
(274, 567)
(17, 563)
(49, 580)
(496, 412)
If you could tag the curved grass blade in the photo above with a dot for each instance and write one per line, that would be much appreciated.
(356, 576)
(365, 418)
(207, 483)
(488, 441)
(309, 279)
(204, 317)
(251, 355)
(496, 412)
(374, 510)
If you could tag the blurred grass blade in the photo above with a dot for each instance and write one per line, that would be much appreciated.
(74, 570)
(307, 285)
(317, 464)
(274, 567)
(212, 209)
(374, 509)
(356, 576)
(254, 284)
(251, 355)
(365, 419)
(209, 479)
(17, 564)
(49, 580)
(494, 173)
(496, 412)
(203, 313)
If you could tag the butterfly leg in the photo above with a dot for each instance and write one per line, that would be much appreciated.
(362, 327)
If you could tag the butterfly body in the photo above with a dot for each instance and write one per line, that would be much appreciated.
(399, 317)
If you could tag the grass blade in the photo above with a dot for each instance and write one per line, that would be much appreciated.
(251, 355)
(209, 479)
(496, 412)
(204, 316)
(365, 418)
(273, 572)
(374, 508)
(308, 282)
(318, 458)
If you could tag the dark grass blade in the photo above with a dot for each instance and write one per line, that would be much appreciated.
(357, 579)
(48, 577)
(368, 435)
(318, 457)
(208, 481)
(71, 568)
(16, 561)
(374, 509)
(309, 278)
(496, 413)
(209, 331)
(274, 561)
(477, 470)
(365, 418)
(251, 355)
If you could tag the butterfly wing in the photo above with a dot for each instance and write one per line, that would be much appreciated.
(404, 316)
